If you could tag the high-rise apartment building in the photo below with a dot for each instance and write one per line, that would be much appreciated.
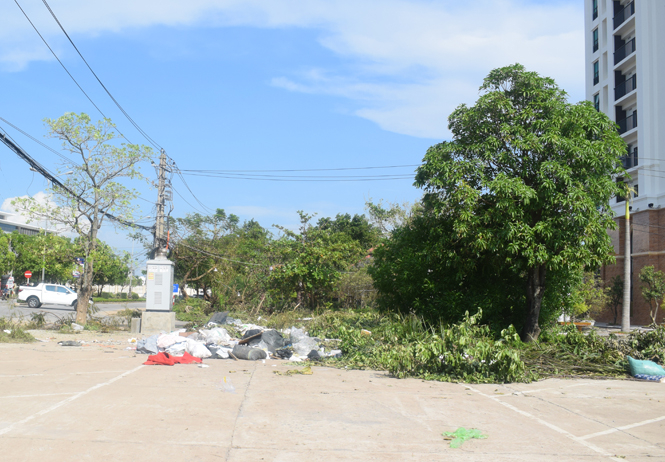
(625, 79)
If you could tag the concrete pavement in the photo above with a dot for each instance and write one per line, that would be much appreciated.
(59, 310)
(99, 402)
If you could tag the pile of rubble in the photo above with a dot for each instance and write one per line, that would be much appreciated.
(257, 342)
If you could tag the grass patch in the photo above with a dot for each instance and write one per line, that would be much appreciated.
(12, 332)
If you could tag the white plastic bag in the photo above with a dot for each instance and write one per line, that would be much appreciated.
(197, 349)
(177, 349)
(218, 336)
(166, 340)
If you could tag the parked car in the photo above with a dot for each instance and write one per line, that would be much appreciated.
(52, 294)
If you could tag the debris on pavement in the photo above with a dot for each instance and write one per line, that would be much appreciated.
(644, 368)
(165, 359)
(459, 436)
(304, 371)
(226, 386)
(69, 343)
(256, 342)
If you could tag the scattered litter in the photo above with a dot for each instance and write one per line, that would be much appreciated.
(249, 353)
(227, 386)
(77, 326)
(7, 331)
(197, 349)
(314, 355)
(165, 359)
(130, 348)
(257, 343)
(365, 332)
(304, 371)
(219, 318)
(273, 340)
(638, 367)
(203, 366)
(148, 345)
(651, 378)
(460, 435)
(69, 343)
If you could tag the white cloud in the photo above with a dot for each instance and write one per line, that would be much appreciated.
(17, 217)
(405, 64)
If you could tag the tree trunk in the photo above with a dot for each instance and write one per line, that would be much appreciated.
(534, 299)
(86, 280)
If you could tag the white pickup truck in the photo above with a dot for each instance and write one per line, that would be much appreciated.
(52, 294)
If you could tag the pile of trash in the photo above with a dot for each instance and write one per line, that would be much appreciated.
(257, 342)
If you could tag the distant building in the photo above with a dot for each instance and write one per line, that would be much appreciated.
(625, 79)
(9, 225)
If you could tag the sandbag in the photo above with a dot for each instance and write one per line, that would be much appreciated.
(249, 353)
(273, 340)
(643, 367)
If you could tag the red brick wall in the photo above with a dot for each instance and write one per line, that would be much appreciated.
(648, 249)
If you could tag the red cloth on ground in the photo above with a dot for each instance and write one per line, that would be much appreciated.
(165, 359)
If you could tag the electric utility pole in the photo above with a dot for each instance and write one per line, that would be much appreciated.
(625, 314)
(160, 225)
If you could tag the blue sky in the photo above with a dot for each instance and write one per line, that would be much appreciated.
(273, 85)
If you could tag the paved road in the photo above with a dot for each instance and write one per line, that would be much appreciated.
(22, 310)
(98, 402)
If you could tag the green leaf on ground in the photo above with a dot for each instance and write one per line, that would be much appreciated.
(460, 435)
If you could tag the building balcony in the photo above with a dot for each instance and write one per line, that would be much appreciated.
(625, 87)
(630, 160)
(628, 123)
(623, 14)
(624, 51)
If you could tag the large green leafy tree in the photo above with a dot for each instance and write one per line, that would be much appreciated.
(99, 173)
(357, 227)
(110, 268)
(525, 182)
(7, 255)
(202, 249)
(45, 250)
(311, 261)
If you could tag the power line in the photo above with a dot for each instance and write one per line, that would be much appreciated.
(300, 179)
(217, 256)
(302, 170)
(140, 130)
(63, 66)
(45, 173)
(38, 142)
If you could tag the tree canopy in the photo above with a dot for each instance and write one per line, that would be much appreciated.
(97, 175)
(520, 196)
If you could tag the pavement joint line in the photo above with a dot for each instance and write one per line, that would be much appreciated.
(68, 400)
(557, 429)
(235, 422)
(37, 396)
(625, 427)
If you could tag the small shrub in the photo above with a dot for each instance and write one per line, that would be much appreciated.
(123, 296)
(12, 332)
(135, 296)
